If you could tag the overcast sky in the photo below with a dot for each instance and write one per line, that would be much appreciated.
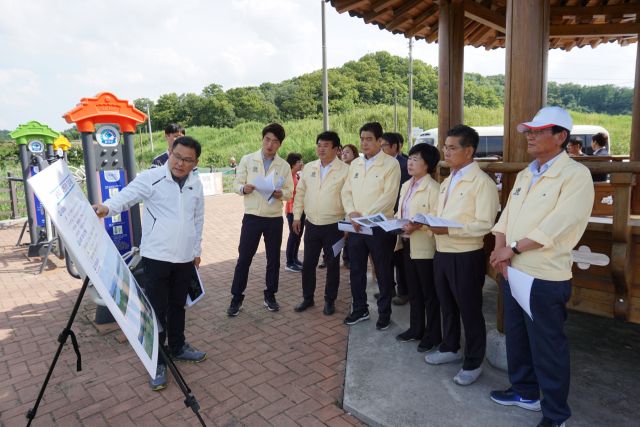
(55, 53)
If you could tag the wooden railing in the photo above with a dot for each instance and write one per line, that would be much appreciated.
(620, 188)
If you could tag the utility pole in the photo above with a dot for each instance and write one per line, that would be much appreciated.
(141, 152)
(410, 118)
(325, 82)
(149, 122)
(395, 110)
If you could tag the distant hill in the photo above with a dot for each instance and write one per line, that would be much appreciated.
(366, 82)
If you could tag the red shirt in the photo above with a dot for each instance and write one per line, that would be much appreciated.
(288, 208)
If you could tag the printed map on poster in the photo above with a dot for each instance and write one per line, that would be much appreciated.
(85, 236)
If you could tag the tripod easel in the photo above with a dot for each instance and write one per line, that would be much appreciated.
(190, 401)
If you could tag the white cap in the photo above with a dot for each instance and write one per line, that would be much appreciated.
(547, 117)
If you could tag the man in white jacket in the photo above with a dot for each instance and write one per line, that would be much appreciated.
(171, 236)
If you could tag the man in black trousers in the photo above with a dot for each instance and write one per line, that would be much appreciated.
(371, 188)
(260, 217)
(469, 197)
(318, 196)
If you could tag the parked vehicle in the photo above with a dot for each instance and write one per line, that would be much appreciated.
(491, 138)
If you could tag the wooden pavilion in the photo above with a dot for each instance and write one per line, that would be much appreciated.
(528, 29)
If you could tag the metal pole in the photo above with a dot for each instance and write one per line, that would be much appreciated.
(395, 110)
(325, 80)
(141, 152)
(149, 123)
(130, 165)
(49, 151)
(410, 118)
(25, 162)
(93, 194)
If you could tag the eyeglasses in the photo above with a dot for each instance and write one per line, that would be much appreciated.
(534, 132)
(384, 145)
(450, 148)
(187, 161)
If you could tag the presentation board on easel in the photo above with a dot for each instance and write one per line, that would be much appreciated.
(85, 236)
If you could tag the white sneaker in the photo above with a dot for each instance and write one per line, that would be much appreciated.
(438, 358)
(467, 377)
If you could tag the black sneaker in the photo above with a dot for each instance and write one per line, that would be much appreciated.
(357, 316)
(323, 264)
(298, 263)
(271, 304)
(347, 264)
(426, 346)
(383, 324)
(548, 422)
(406, 337)
(234, 308)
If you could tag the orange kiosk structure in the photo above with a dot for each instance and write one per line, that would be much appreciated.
(527, 30)
(109, 165)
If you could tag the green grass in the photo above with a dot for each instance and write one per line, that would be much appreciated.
(218, 145)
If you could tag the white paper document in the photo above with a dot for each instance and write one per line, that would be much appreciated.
(278, 186)
(371, 220)
(338, 246)
(196, 290)
(264, 186)
(433, 221)
(520, 284)
(393, 224)
(346, 226)
(84, 235)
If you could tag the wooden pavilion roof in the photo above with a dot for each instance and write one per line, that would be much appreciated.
(573, 22)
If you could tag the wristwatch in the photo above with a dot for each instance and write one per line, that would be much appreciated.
(514, 248)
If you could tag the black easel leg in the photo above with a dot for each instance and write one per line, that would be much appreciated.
(62, 339)
(190, 401)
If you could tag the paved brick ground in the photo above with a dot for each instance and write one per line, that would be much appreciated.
(263, 368)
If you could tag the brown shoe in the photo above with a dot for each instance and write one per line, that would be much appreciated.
(400, 300)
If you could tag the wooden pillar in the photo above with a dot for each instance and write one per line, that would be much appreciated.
(527, 51)
(634, 145)
(450, 67)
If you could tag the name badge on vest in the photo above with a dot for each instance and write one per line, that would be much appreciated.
(356, 175)
(313, 174)
(255, 169)
(517, 192)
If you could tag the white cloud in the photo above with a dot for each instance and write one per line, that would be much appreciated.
(76, 48)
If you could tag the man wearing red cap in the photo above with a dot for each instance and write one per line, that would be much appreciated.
(547, 213)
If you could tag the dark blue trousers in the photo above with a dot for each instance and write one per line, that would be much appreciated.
(538, 350)
(380, 245)
(293, 242)
(253, 228)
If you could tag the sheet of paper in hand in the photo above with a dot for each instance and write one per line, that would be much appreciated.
(371, 220)
(433, 221)
(394, 225)
(196, 290)
(347, 226)
(84, 235)
(264, 186)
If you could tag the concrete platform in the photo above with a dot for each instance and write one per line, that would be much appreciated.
(389, 384)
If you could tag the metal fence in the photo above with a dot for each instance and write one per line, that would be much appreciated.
(16, 203)
(228, 175)
(16, 200)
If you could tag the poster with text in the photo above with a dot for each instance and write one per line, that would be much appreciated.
(85, 236)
